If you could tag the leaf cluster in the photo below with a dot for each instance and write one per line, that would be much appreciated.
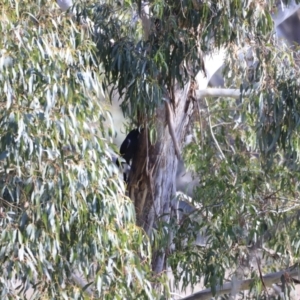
(63, 210)
(243, 206)
(180, 32)
(272, 83)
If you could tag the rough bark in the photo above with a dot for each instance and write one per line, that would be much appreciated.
(151, 183)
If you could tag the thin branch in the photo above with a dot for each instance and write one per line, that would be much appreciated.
(10, 204)
(243, 285)
(222, 124)
(279, 211)
(215, 140)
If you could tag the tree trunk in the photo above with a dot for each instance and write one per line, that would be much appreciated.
(152, 180)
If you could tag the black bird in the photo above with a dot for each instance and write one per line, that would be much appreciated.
(128, 147)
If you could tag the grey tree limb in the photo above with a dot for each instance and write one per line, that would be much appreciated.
(146, 20)
(242, 285)
(284, 11)
(219, 92)
(172, 130)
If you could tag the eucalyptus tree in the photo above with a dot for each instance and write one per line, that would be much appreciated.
(64, 213)
(247, 151)
(65, 219)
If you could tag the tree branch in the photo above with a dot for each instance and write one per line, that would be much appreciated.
(171, 129)
(216, 92)
(283, 12)
(145, 18)
(243, 285)
(215, 140)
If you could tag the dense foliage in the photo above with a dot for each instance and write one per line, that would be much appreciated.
(63, 207)
(63, 210)
(179, 33)
(245, 210)
(246, 156)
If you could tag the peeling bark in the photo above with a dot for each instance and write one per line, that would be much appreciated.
(171, 129)
(152, 183)
(145, 17)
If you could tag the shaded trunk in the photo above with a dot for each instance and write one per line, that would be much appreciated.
(152, 181)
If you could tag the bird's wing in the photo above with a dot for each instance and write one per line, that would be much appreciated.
(125, 146)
